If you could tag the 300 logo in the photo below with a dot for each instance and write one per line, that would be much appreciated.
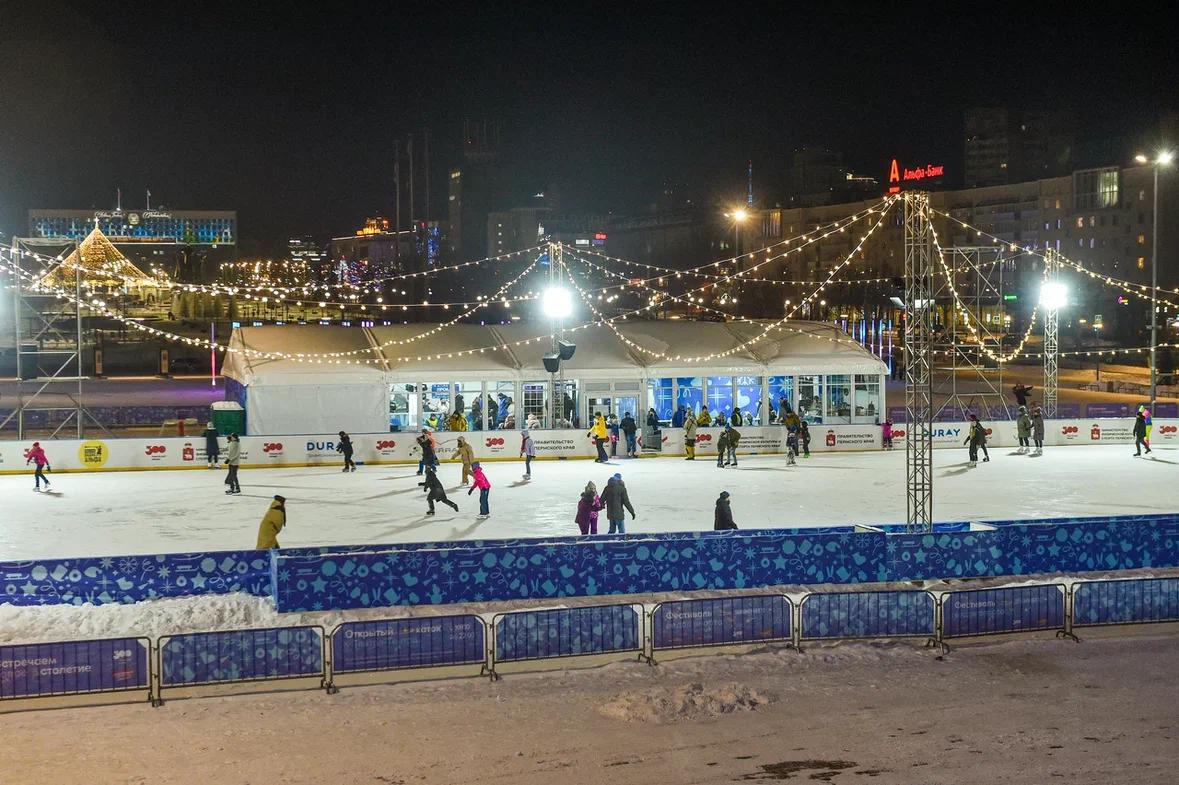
(386, 445)
(898, 433)
(1066, 430)
(495, 442)
(155, 449)
(270, 447)
(1168, 429)
(703, 437)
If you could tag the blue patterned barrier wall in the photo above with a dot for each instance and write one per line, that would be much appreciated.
(870, 614)
(721, 620)
(566, 632)
(389, 644)
(133, 578)
(74, 667)
(1014, 609)
(241, 655)
(1136, 601)
(604, 566)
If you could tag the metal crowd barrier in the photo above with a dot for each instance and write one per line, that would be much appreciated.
(269, 654)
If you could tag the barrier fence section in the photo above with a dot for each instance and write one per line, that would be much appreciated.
(1122, 601)
(226, 656)
(869, 614)
(719, 621)
(397, 644)
(564, 632)
(41, 670)
(975, 612)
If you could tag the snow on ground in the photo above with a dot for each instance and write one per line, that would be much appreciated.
(110, 514)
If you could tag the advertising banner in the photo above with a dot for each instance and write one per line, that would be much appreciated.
(566, 632)
(875, 614)
(724, 620)
(1125, 602)
(407, 643)
(241, 655)
(1015, 609)
(73, 667)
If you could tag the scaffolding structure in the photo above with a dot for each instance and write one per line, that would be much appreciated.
(963, 381)
(919, 305)
(1051, 339)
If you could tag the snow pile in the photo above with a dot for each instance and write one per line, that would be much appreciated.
(689, 702)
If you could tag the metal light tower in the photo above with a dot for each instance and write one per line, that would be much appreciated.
(1051, 294)
(918, 372)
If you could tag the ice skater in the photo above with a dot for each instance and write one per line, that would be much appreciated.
(344, 446)
(272, 523)
(1149, 423)
(599, 434)
(1141, 435)
(588, 506)
(615, 499)
(734, 437)
(479, 480)
(792, 429)
(886, 434)
(527, 452)
(629, 428)
(690, 438)
(976, 436)
(1023, 430)
(429, 450)
(1038, 430)
(1021, 391)
(434, 491)
(233, 459)
(722, 519)
(41, 465)
(212, 447)
(804, 437)
(722, 446)
(465, 454)
(613, 427)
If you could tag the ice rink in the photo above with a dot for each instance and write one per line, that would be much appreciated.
(108, 514)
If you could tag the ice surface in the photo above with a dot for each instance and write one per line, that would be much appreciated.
(110, 514)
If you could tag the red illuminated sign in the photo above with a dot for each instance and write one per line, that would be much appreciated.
(898, 174)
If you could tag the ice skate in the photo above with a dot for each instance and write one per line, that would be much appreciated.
(429, 512)
(986, 460)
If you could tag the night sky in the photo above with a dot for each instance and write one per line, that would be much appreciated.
(290, 117)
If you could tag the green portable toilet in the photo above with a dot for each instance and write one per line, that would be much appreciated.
(229, 417)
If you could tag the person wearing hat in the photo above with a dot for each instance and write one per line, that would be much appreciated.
(212, 446)
(1038, 430)
(615, 499)
(466, 454)
(434, 491)
(527, 452)
(37, 457)
(272, 523)
(1023, 430)
(976, 437)
(428, 446)
(1141, 433)
(344, 446)
(479, 480)
(723, 519)
(233, 459)
(588, 507)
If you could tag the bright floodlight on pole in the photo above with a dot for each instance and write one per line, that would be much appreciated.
(1053, 295)
(556, 302)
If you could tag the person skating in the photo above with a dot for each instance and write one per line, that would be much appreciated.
(272, 523)
(804, 438)
(429, 450)
(344, 446)
(793, 424)
(40, 463)
(599, 434)
(615, 499)
(1023, 430)
(1140, 436)
(629, 428)
(690, 438)
(588, 507)
(1021, 391)
(734, 437)
(723, 518)
(479, 480)
(233, 459)
(212, 447)
(975, 437)
(722, 446)
(434, 491)
(466, 454)
(1038, 430)
(527, 451)
(886, 434)
(1149, 424)
(613, 427)
(982, 428)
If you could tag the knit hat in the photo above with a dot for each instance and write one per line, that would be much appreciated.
(724, 494)
(591, 488)
(36, 444)
(617, 476)
(278, 498)
(475, 465)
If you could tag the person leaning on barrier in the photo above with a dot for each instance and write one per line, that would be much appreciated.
(272, 523)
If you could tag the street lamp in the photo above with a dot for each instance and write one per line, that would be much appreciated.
(557, 302)
(1162, 158)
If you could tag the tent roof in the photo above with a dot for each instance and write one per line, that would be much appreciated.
(466, 352)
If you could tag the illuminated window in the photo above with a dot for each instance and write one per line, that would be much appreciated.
(1142, 196)
(1080, 222)
(1092, 220)
(1057, 204)
(1095, 188)
(1141, 262)
(1142, 239)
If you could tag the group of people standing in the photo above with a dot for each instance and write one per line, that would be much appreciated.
(614, 499)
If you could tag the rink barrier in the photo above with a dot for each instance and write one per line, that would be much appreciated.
(1125, 601)
(868, 614)
(719, 621)
(238, 656)
(401, 644)
(1011, 609)
(565, 632)
(89, 667)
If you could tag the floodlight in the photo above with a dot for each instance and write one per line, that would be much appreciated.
(1053, 295)
(557, 302)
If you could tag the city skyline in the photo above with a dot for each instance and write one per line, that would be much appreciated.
(293, 123)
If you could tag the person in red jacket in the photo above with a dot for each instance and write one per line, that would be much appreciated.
(479, 480)
(37, 456)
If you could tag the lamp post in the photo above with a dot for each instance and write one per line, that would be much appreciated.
(739, 216)
(1163, 158)
(556, 303)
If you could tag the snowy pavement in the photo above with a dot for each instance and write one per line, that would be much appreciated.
(108, 514)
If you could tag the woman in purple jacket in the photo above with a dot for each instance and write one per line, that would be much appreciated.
(587, 510)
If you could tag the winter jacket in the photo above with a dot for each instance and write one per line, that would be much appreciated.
(234, 456)
(615, 499)
(723, 518)
(1140, 427)
(722, 443)
(628, 425)
(37, 456)
(690, 430)
(977, 434)
(652, 420)
(431, 483)
(479, 479)
(1038, 426)
(526, 446)
(1023, 426)
(804, 431)
(345, 446)
(426, 442)
(677, 419)
(598, 430)
(886, 430)
(465, 453)
(587, 510)
(705, 419)
(735, 419)
(272, 523)
(212, 447)
(734, 437)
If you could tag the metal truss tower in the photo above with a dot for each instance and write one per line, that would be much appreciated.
(1051, 340)
(918, 371)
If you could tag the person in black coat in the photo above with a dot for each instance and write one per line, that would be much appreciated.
(723, 519)
(426, 444)
(1020, 391)
(434, 491)
(212, 447)
(629, 427)
(344, 446)
(1140, 434)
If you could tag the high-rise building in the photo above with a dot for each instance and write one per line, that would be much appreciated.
(308, 250)
(473, 191)
(1008, 146)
